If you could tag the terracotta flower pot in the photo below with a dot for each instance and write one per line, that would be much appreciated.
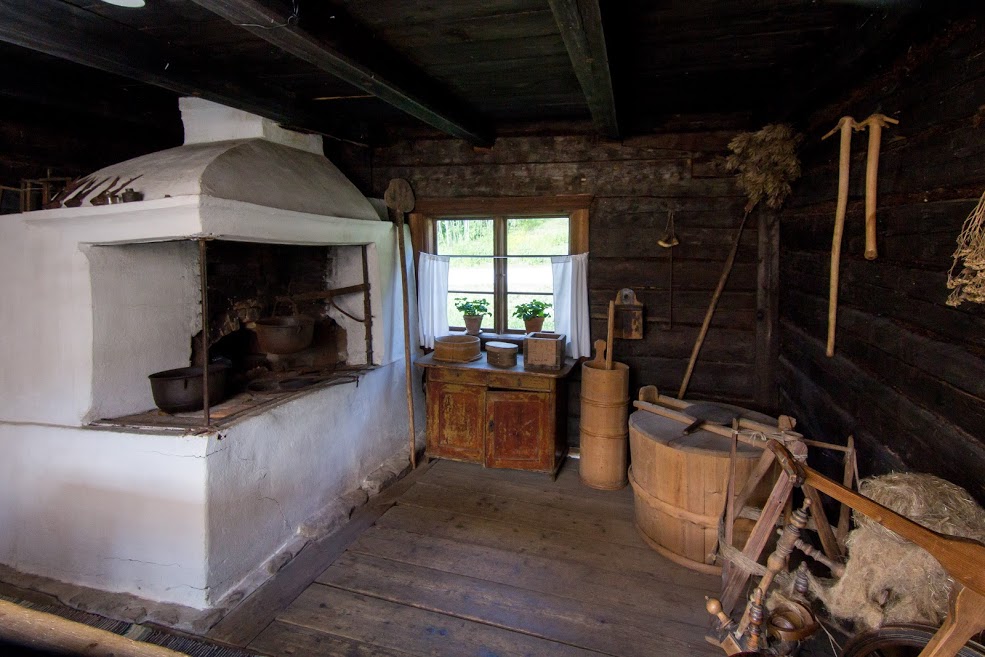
(533, 324)
(473, 324)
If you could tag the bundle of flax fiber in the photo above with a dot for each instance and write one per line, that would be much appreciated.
(967, 276)
(889, 580)
(766, 162)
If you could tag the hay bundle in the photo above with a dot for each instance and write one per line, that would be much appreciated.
(889, 579)
(969, 258)
(767, 163)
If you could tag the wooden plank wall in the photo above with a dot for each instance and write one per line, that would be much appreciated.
(634, 184)
(908, 376)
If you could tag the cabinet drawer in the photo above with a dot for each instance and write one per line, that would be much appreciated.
(508, 380)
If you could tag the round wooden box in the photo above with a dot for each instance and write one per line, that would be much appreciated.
(457, 348)
(501, 354)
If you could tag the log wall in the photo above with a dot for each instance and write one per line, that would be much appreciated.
(634, 184)
(908, 376)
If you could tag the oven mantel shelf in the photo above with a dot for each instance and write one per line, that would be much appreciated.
(204, 217)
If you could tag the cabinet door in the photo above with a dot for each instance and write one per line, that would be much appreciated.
(454, 421)
(519, 430)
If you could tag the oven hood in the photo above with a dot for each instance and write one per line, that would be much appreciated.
(233, 155)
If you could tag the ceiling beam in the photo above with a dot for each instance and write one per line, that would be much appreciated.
(68, 32)
(273, 27)
(580, 22)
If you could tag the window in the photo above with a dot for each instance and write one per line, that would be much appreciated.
(504, 260)
(501, 250)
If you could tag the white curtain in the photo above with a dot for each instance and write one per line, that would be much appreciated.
(571, 302)
(432, 297)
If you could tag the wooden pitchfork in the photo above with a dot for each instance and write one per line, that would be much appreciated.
(962, 558)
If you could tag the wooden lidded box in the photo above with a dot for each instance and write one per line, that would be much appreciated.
(501, 354)
(543, 351)
(456, 348)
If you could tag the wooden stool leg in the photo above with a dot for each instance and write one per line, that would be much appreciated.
(734, 578)
(965, 619)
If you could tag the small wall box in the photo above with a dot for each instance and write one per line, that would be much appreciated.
(543, 351)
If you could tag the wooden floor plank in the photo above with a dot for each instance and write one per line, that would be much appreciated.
(567, 479)
(416, 631)
(544, 493)
(246, 621)
(558, 577)
(294, 641)
(563, 620)
(483, 505)
(644, 563)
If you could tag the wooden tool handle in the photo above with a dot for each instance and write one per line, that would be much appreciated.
(871, 187)
(608, 336)
(722, 280)
(599, 360)
(875, 124)
(57, 635)
(845, 126)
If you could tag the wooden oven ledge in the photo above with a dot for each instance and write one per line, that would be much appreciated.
(235, 409)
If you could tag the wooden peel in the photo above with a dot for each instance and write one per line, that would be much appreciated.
(399, 197)
(962, 558)
(875, 124)
(845, 125)
(608, 336)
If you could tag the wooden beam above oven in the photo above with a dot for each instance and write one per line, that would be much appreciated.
(72, 33)
(276, 28)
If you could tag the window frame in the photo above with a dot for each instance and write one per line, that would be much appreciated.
(423, 226)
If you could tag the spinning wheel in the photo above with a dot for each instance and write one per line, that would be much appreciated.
(900, 641)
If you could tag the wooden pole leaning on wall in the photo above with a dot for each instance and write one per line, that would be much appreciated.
(399, 197)
(48, 632)
(204, 277)
(723, 279)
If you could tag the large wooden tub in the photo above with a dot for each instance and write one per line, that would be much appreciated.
(679, 485)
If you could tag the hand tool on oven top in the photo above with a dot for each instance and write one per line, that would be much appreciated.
(77, 199)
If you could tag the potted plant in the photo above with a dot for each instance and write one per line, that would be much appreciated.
(473, 310)
(533, 313)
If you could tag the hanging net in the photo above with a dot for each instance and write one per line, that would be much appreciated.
(967, 276)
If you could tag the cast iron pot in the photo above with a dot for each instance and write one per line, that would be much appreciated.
(180, 390)
(285, 335)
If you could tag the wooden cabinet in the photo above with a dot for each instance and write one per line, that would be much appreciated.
(502, 418)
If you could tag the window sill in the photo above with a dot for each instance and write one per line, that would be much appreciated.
(490, 336)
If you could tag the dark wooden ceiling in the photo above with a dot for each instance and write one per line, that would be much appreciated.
(370, 70)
